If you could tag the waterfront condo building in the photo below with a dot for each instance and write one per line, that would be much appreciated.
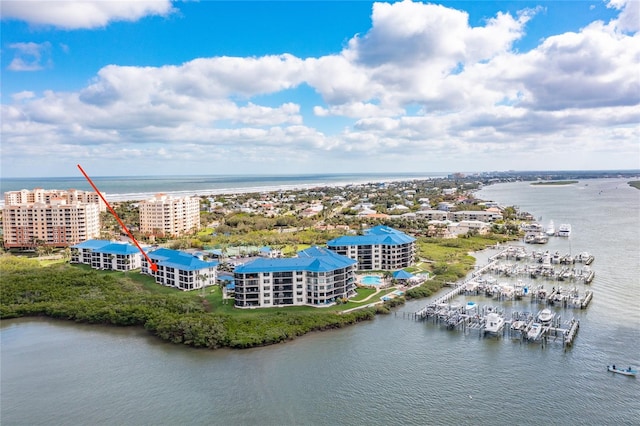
(380, 248)
(169, 216)
(104, 254)
(46, 196)
(316, 277)
(55, 223)
(180, 269)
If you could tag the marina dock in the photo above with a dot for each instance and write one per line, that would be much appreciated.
(492, 321)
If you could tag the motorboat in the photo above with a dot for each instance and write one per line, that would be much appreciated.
(518, 325)
(564, 230)
(494, 323)
(627, 371)
(536, 238)
(545, 316)
(585, 258)
(551, 229)
(535, 331)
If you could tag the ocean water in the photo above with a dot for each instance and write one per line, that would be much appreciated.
(392, 370)
(118, 188)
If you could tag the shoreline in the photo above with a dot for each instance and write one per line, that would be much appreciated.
(293, 183)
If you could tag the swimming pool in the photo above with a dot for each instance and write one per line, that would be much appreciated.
(371, 280)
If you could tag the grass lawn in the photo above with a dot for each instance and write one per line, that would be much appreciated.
(363, 293)
(50, 262)
(205, 231)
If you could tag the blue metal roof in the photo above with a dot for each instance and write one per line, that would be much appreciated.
(179, 260)
(92, 244)
(313, 259)
(378, 235)
(119, 248)
(106, 246)
(402, 275)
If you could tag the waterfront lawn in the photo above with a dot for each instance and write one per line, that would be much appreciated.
(363, 293)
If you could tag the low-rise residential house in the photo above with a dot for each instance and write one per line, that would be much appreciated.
(312, 210)
(463, 227)
(317, 277)
(105, 254)
(366, 212)
(445, 206)
(377, 216)
(269, 252)
(180, 270)
(380, 248)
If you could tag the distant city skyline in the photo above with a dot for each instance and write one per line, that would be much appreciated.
(272, 87)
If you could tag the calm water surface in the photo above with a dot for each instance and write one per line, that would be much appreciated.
(387, 371)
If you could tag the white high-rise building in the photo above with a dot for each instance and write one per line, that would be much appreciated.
(168, 216)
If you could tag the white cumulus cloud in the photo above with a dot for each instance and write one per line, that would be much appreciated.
(82, 14)
(422, 86)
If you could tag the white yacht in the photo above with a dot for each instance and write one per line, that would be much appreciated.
(545, 316)
(494, 324)
(535, 331)
(564, 230)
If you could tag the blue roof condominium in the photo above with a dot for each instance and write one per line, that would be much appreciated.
(316, 277)
(104, 254)
(179, 269)
(380, 248)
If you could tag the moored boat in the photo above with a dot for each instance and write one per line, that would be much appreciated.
(545, 315)
(551, 229)
(564, 230)
(626, 372)
(494, 324)
(535, 331)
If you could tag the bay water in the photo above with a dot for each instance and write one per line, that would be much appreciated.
(392, 370)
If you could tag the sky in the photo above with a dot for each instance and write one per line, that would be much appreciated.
(166, 87)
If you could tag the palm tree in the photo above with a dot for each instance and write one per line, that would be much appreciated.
(203, 278)
(66, 253)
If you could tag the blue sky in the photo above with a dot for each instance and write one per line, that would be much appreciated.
(213, 87)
